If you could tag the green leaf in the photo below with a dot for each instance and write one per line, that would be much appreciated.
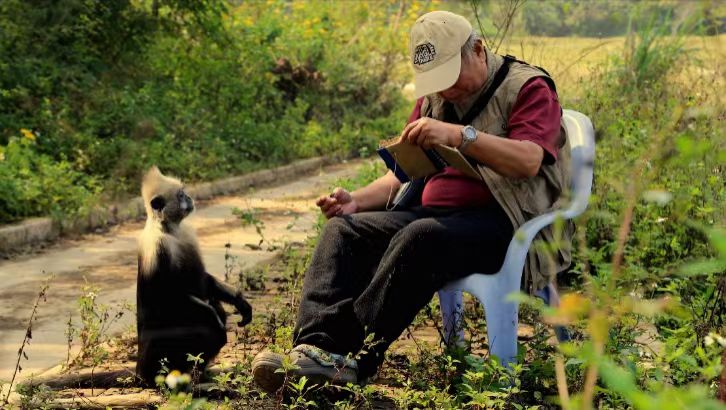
(718, 240)
(658, 196)
(703, 267)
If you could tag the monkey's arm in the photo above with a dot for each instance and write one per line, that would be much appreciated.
(204, 309)
(225, 293)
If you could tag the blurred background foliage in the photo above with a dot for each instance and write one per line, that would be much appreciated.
(560, 18)
(200, 88)
(208, 88)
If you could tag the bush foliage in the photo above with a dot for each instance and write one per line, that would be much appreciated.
(202, 89)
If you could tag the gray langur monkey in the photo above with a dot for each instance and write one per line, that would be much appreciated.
(179, 309)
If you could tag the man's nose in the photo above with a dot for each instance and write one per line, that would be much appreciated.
(448, 94)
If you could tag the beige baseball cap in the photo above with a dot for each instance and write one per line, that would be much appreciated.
(436, 41)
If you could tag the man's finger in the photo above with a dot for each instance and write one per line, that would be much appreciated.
(415, 136)
(328, 203)
(407, 129)
(332, 211)
(324, 201)
(426, 142)
(410, 132)
(338, 193)
(320, 201)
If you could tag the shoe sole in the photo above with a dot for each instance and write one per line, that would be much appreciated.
(264, 372)
(320, 375)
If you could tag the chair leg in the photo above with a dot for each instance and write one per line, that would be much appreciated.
(452, 310)
(502, 320)
(502, 323)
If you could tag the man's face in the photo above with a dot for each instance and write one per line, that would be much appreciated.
(471, 78)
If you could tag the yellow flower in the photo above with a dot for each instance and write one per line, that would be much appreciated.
(572, 304)
(572, 307)
(27, 134)
(172, 379)
(2, 156)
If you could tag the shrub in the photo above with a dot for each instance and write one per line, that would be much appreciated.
(35, 184)
(201, 89)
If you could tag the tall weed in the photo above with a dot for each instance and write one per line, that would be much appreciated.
(654, 215)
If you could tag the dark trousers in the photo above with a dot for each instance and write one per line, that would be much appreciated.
(372, 272)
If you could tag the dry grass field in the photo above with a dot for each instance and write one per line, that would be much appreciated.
(571, 60)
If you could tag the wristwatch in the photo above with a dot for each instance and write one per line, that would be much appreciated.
(468, 135)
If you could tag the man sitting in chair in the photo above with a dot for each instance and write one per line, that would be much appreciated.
(373, 270)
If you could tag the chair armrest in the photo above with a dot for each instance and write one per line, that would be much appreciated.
(581, 135)
(523, 237)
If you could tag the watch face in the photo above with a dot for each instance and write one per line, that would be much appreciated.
(470, 133)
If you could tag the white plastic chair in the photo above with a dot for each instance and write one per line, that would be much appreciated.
(492, 290)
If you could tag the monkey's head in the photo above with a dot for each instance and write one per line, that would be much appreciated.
(164, 197)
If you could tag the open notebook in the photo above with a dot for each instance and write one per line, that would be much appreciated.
(409, 161)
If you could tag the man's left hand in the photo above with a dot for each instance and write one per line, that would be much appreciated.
(427, 132)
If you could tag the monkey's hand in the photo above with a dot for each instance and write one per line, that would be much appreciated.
(244, 309)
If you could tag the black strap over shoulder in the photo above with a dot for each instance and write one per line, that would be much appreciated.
(548, 78)
(479, 105)
(483, 99)
(409, 194)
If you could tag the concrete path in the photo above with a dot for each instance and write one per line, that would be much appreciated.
(108, 261)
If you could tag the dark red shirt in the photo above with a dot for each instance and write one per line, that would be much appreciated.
(535, 117)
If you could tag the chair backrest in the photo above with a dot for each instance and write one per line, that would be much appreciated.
(581, 136)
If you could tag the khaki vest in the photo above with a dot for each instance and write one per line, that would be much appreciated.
(522, 199)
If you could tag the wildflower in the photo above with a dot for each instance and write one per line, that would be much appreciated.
(172, 379)
(714, 337)
(28, 134)
(2, 156)
(176, 378)
(572, 306)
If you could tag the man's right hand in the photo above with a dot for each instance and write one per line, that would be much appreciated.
(340, 202)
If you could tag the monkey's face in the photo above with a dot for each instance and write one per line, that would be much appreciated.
(164, 197)
(172, 206)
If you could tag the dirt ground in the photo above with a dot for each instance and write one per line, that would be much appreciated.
(108, 261)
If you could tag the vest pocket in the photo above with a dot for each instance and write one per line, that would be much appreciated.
(533, 195)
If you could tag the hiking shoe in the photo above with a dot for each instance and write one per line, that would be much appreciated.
(264, 367)
(312, 362)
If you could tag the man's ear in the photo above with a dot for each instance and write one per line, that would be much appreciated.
(479, 47)
(158, 203)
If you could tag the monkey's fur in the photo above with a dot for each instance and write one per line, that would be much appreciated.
(178, 302)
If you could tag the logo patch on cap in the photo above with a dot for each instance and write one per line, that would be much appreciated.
(424, 53)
